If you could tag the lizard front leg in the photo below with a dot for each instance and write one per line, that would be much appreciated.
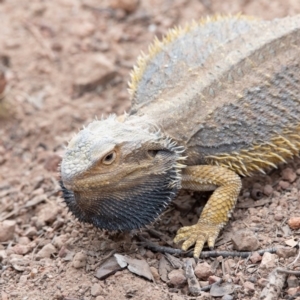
(216, 212)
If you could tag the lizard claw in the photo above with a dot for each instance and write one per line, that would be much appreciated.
(198, 234)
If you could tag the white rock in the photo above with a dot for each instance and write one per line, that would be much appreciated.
(269, 260)
(96, 289)
(46, 251)
(79, 260)
(7, 230)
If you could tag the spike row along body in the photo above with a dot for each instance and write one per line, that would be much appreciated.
(211, 102)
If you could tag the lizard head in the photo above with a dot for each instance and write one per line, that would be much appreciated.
(118, 176)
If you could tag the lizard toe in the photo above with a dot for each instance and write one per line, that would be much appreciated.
(198, 234)
(212, 238)
(185, 233)
(189, 242)
(198, 247)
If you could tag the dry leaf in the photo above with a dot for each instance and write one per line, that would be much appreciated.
(107, 268)
(219, 290)
(291, 242)
(174, 261)
(193, 283)
(136, 266)
(163, 269)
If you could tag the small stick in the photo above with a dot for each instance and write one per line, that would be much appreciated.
(161, 249)
(204, 254)
(296, 257)
(274, 286)
(289, 272)
(194, 286)
(159, 235)
(208, 287)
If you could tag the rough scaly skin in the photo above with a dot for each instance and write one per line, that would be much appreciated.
(211, 101)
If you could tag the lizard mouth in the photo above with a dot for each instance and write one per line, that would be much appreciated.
(121, 208)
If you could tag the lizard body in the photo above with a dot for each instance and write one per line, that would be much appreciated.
(211, 101)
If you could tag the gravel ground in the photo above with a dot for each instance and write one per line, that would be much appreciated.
(65, 62)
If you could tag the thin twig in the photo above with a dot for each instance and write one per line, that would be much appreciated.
(208, 287)
(161, 249)
(289, 272)
(204, 254)
(9, 215)
(158, 234)
(193, 284)
(298, 255)
(274, 286)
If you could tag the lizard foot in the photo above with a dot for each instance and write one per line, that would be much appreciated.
(198, 234)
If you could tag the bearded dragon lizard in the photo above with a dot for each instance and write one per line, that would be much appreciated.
(212, 101)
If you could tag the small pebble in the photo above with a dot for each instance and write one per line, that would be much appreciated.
(289, 175)
(60, 240)
(284, 184)
(293, 291)
(269, 260)
(46, 251)
(79, 260)
(292, 281)
(21, 249)
(245, 240)
(24, 240)
(96, 289)
(23, 279)
(286, 252)
(213, 279)
(268, 190)
(227, 297)
(149, 254)
(33, 273)
(30, 232)
(7, 230)
(294, 223)
(249, 286)
(177, 278)
(203, 283)
(203, 271)
(47, 214)
(255, 257)
(262, 282)
(278, 217)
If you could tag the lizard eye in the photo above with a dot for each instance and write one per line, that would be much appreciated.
(109, 158)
